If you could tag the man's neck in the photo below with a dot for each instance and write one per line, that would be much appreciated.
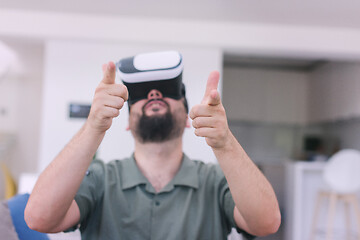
(159, 162)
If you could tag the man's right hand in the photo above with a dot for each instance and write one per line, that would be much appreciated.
(109, 98)
(51, 206)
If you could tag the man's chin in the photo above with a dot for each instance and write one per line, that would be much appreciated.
(157, 127)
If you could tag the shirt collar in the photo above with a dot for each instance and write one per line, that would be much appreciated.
(186, 176)
(131, 175)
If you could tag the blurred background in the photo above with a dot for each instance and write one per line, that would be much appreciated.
(290, 82)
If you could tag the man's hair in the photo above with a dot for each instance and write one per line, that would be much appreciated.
(183, 92)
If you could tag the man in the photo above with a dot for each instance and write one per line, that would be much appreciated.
(158, 193)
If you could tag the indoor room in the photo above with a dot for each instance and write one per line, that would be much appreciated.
(289, 84)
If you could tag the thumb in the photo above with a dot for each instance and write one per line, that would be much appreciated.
(211, 95)
(109, 73)
(214, 98)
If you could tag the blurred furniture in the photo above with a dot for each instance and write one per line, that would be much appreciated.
(341, 174)
(26, 184)
(16, 206)
(9, 182)
(7, 229)
(303, 180)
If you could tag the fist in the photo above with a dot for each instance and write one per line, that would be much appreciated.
(209, 117)
(109, 98)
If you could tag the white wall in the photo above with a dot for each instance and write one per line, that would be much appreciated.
(20, 97)
(72, 72)
(9, 91)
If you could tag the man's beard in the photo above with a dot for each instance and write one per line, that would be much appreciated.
(158, 128)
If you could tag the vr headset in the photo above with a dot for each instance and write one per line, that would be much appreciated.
(159, 70)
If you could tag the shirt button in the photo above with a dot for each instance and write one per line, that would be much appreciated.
(157, 203)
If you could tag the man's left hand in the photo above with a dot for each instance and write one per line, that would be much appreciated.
(209, 117)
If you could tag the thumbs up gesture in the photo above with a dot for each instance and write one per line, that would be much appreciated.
(109, 98)
(209, 117)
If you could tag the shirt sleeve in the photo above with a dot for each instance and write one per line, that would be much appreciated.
(89, 193)
(228, 205)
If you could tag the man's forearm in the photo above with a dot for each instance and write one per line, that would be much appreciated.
(53, 194)
(257, 209)
(58, 184)
(253, 194)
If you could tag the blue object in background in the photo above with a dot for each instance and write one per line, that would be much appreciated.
(17, 206)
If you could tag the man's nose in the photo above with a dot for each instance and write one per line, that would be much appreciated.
(154, 94)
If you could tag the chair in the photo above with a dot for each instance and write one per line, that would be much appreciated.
(16, 206)
(342, 175)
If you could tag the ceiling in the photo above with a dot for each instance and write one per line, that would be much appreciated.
(329, 13)
(318, 13)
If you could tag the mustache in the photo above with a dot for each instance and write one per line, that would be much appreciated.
(154, 99)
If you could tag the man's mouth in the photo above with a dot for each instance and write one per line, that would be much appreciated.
(155, 104)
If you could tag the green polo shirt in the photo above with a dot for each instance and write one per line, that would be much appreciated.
(117, 202)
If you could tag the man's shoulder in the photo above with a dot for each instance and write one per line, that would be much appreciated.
(207, 168)
(116, 162)
(99, 166)
(208, 175)
(202, 164)
(205, 165)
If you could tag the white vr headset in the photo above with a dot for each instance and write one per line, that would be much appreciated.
(158, 70)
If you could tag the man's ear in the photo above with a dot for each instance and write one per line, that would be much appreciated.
(188, 124)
